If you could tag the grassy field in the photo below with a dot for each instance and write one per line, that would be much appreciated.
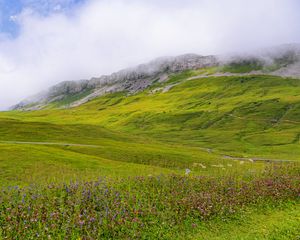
(189, 122)
(272, 223)
(158, 207)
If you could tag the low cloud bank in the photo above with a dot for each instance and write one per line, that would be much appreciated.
(99, 37)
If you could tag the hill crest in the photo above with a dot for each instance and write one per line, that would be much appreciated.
(281, 61)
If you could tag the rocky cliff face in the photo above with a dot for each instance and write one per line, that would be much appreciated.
(131, 80)
(283, 61)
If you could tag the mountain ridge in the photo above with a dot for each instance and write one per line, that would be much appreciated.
(281, 61)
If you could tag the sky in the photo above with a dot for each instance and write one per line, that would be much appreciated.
(44, 42)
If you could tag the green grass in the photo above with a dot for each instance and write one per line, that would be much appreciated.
(193, 125)
(280, 223)
(249, 116)
(110, 154)
(246, 116)
(27, 164)
(154, 207)
(70, 98)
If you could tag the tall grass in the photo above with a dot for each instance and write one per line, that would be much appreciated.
(152, 207)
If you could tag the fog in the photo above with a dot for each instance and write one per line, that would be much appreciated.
(101, 36)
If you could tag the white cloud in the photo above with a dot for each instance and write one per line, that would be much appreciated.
(102, 36)
(13, 18)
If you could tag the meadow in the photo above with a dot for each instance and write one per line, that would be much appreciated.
(157, 207)
(190, 158)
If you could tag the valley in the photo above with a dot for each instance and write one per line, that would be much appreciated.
(240, 127)
(149, 120)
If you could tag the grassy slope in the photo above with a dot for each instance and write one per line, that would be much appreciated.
(281, 223)
(116, 154)
(163, 132)
(245, 116)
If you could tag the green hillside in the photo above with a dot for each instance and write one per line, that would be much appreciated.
(218, 127)
(255, 116)
(171, 126)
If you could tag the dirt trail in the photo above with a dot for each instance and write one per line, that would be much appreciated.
(49, 143)
(250, 159)
(209, 150)
(256, 159)
(227, 74)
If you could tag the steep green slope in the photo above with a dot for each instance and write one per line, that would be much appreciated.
(188, 122)
(40, 151)
(255, 116)
(199, 123)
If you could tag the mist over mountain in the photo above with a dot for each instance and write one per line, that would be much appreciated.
(283, 60)
(150, 119)
(45, 42)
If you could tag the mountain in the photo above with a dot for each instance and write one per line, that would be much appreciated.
(281, 61)
(132, 80)
(195, 116)
(226, 125)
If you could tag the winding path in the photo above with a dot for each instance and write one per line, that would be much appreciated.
(209, 150)
(251, 159)
(254, 159)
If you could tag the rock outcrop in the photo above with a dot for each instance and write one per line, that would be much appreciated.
(131, 80)
(283, 61)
